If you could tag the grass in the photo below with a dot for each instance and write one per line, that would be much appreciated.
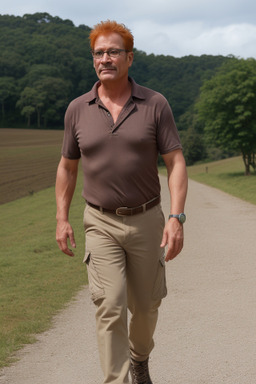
(227, 175)
(36, 279)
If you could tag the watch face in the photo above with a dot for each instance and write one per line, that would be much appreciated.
(182, 218)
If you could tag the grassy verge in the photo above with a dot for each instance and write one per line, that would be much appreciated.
(228, 176)
(36, 279)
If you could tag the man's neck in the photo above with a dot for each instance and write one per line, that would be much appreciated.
(114, 91)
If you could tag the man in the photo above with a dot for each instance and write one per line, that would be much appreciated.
(118, 129)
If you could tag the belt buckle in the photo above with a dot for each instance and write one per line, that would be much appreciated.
(118, 213)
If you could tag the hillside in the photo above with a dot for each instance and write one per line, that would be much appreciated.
(45, 62)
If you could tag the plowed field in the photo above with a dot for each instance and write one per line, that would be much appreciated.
(28, 161)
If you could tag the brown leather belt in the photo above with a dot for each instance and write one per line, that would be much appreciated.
(126, 211)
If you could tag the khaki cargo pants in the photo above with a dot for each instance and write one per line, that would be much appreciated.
(126, 269)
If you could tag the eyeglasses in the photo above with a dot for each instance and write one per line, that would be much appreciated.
(114, 52)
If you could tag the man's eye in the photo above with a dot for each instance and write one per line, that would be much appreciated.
(114, 52)
(98, 54)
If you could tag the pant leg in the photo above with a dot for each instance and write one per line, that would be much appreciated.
(121, 249)
(146, 279)
(106, 263)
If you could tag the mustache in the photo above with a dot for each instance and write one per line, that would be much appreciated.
(102, 67)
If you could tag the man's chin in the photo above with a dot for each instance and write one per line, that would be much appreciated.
(107, 76)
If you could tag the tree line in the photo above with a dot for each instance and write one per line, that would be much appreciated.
(45, 62)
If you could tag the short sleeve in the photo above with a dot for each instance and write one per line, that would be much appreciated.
(70, 147)
(167, 133)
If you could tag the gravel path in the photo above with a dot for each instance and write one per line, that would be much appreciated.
(207, 325)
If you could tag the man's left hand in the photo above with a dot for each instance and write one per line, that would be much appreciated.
(173, 237)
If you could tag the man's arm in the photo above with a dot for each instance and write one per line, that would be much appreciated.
(65, 187)
(178, 184)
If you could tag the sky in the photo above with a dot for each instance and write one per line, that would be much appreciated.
(169, 27)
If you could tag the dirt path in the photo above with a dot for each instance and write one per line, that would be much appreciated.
(207, 326)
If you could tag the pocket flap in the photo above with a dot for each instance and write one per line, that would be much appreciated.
(87, 257)
(162, 260)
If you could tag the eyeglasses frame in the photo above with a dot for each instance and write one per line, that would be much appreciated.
(108, 53)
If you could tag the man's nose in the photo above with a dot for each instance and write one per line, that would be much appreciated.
(105, 57)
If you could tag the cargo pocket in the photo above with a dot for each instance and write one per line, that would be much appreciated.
(95, 286)
(160, 289)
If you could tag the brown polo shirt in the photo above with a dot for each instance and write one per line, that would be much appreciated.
(119, 160)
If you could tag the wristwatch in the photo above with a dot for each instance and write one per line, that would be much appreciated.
(181, 217)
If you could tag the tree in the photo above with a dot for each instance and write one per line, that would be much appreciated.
(193, 146)
(56, 91)
(27, 111)
(7, 89)
(12, 64)
(31, 100)
(35, 47)
(227, 108)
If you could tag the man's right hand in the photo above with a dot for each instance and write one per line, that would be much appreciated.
(64, 232)
(65, 186)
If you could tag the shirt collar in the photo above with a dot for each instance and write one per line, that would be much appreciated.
(137, 90)
(92, 95)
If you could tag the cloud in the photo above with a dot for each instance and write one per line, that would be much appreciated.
(231, 39)
(195, 38)
(184, 27)
(166, 12)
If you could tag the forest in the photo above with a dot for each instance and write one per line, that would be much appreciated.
(45, 62)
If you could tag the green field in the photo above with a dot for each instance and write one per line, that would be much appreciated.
(36, 279)
(227, 175)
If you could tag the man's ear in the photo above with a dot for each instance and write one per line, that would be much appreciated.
(130, 58)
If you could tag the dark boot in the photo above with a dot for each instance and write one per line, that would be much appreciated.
(139, 372)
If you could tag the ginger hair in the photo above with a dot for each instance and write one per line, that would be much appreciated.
(107, 27)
